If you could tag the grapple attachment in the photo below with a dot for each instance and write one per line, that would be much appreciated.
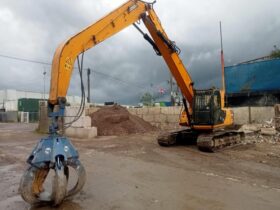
(52, 153)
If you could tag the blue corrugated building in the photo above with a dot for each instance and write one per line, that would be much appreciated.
(253, 83)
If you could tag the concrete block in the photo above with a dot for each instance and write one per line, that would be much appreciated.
(72, 111)
(156, 125)
(154, 110)
(83, 133)
(148, 118)
(87, 122)
(158, 118)
(82, 122)
(142, 111)
(167, 110)
(91, 110)
(268, 131)
(153, 123)
(164, 126)
(132, 111)
(262, 114)
(172, 118)
(141, 116)
(145, 110)
(168, 126)
(277, 110)
(277, 123)
(174, 126)
(241, 115)
(177, 110)
(77, 124)
(139, 111)
(163, 118)
(250, 128)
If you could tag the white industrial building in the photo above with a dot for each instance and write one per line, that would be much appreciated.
(9, 98)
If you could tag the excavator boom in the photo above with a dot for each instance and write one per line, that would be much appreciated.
(122, 17)
(66, 54)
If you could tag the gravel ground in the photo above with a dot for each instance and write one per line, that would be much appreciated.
(133, 172)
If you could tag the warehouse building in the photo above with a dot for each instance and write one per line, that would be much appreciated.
(253, 83)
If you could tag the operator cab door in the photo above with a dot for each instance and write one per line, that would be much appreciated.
(207, 107)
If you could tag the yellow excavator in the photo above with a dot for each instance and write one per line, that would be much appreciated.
(204, 113)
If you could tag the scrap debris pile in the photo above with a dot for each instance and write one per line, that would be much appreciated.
(116, 120)
(258, 133)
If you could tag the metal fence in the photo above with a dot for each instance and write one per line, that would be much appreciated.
(11, 116)
(23, 117)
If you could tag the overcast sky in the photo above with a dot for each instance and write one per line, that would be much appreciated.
(32, 29)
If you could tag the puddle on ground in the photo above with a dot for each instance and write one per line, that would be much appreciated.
(66, 205)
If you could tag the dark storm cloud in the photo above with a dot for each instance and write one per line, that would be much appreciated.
(33, 29)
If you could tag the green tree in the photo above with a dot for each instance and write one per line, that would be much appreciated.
(275, 53)
(147, 99)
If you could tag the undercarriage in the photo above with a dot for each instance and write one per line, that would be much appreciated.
(205, 141)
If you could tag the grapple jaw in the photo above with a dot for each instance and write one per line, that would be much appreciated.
(51, 153)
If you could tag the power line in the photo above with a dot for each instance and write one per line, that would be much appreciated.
(24, 59)
(97, 72)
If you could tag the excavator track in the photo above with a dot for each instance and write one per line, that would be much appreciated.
(208, 142)
(167, 139)
(220, 140)
(186, 136)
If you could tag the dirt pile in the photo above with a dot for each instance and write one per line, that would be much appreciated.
(116, 120)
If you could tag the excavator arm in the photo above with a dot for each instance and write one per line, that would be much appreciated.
(170, 53)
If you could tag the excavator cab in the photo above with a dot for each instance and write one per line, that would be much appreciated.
(207, 107)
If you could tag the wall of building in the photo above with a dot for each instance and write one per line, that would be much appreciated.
(1, 96)
(253, 83)
(259, 76)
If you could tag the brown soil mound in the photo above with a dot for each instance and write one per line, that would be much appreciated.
(116, 120)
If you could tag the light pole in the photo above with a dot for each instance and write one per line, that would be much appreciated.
(44, 73)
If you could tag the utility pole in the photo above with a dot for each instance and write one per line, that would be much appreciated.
(44, 73)
(222, 58)
(88, 81)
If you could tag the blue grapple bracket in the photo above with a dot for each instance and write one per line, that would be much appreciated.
(48, 149)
